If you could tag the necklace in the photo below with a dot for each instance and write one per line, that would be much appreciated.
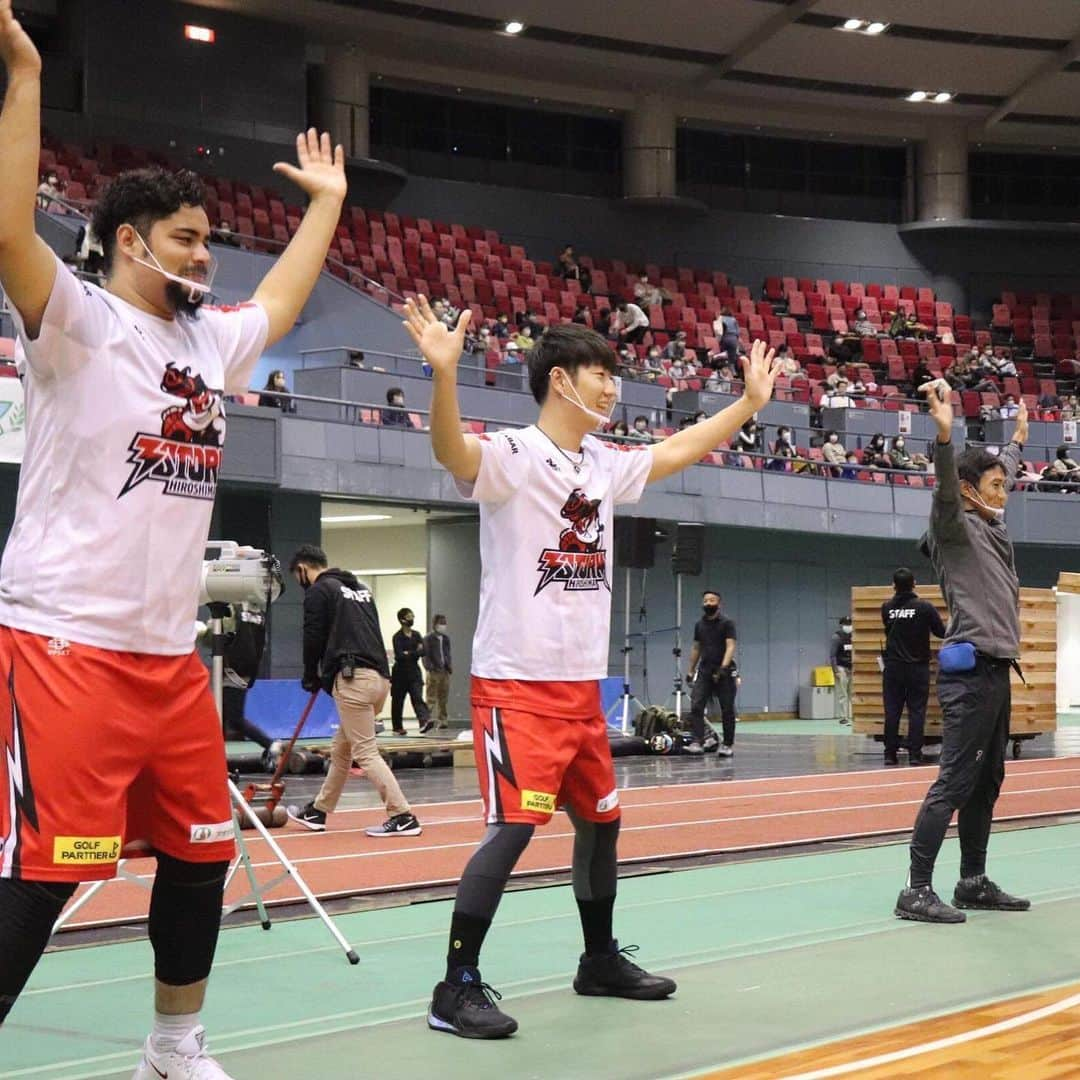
(576, 465)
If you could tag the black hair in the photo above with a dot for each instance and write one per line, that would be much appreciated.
(437, 619)
(620, 305)
(308, 555)
(142, 197)
(392, 393)
(972, 463)
(568, 346)
(615, 427)
(712, 592)
(270, 378)
(402, 612)
(1063, 451)
(903, 580)
(830, 433)
(637, 418)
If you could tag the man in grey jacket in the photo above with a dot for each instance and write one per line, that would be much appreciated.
(973, 559)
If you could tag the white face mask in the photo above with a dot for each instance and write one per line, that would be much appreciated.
(599, 417)
(846, 627)
(440, 628)
(197, 290)
(998, 514)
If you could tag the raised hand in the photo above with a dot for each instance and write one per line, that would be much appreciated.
(440, 346)
(759, 374)
(321, 172)
(1020, 435)
(938, 394)
(16, 49)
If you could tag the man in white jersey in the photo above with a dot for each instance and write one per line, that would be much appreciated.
(547, 495)
(108, 731)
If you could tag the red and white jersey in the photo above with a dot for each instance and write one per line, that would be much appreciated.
(124, 431)
(546, 553)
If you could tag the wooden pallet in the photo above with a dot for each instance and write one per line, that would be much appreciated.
(1034, 706)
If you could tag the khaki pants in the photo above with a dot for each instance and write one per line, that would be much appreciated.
(358, 700)
(438, 692)
(843, 693)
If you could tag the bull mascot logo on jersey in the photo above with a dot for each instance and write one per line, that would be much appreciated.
(200, 419)
(580, 561)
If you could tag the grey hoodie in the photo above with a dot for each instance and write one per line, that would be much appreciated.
(974, 562)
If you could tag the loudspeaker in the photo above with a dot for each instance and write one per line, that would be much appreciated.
(635, 542)
(689, 550)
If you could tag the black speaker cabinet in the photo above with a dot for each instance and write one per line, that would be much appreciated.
(688, 553)
(635, 542)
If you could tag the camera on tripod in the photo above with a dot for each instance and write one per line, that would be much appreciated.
(235, 574)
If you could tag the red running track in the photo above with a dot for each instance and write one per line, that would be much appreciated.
(663, 822)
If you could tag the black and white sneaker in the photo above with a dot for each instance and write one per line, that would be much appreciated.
(426, 726)
(981, 894)
(465, 1005)
(398, 825)
(309, 817)
(924, 905)
(614, 974)
(723, 750)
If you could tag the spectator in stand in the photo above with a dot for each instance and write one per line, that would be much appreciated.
(49, 190)
(566, 265)
(783, 450)
(900, 458)
(986, 360)
(275, 382)
(646, 294)
(1070, 408)
(840, 351)
(1008, 409)
(641, 432)
(1004, 366)
(653, 360)
(862, 325)
(833, 379)
(1063, 467)
(832, 450)
(620, 430)
(898, 325)
(474, 343)
(726, 328)
(395, 416)
(524, 338)
(700, 416)
(719, 382)
(581, 315)
(850, 471)
(532, 321)
(748, 438)
(789, 366)
(502, 327)
(630, 322)
(683, 369)
(1050, 403)
(602, 322)
(675, 349)
(513, 353)
(223, 234)
(876, 454)
(957, 374)
(445, 312)
(921, 374)
(839, 398)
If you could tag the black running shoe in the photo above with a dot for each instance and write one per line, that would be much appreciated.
(918, 759)
(981, 894)
(465, 1005)
(924, 905)
(426, 726)
(613, 974)
(891, 758)
(398, 825)
(309, 817)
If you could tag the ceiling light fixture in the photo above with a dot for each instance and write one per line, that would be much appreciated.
(514, 27)
(877, 28)
(941, 98)
(917, 95)
(862, 26)
(853, 24)
(350, 519)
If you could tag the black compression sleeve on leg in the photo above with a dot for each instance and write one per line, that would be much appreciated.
(481, 889)
(185, 916)
(28, 910)
(595, 875)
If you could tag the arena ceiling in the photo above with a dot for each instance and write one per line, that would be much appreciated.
(1013, 70)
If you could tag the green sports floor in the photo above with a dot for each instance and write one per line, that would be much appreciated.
(770, 955)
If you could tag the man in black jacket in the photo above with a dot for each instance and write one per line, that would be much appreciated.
(406, 680)
(345, 656)
(909, 621)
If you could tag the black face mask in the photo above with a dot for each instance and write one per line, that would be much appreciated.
(710, 609)
(406, 623)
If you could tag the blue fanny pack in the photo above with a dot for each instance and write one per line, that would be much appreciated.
(959, 656)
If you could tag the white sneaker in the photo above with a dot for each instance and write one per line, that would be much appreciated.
(725, 751)
(189, 1061)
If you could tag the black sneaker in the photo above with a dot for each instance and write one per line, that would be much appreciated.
(398, 825)
(309, 817)
(426, 726)
(981, 894)
(614, 975)
(891, 758)
(693, 747)
(465, 1006)
(924, 905)
(918, 759)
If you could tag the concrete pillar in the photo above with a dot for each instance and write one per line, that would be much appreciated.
(649, 150)
(345, 100)
(943, 172)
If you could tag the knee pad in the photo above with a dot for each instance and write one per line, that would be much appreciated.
(28, 910)
(185, 917)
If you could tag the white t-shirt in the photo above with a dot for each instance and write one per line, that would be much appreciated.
(124, 427)
(546, 553)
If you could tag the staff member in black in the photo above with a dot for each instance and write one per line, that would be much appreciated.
(909, 621)
(840, 653)
(406, 680)
(712, 672)
(973, 558)
(345, 656)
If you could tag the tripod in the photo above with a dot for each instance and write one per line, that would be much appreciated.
(623, 702)
(677, 684)
(240, 805)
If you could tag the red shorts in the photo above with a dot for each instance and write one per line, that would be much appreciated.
(100, 750)
(540, 746)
